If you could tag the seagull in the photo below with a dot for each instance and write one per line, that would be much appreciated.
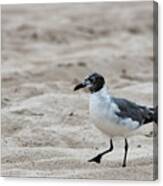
(114, 117)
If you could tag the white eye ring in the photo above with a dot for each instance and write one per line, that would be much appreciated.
(88, 83)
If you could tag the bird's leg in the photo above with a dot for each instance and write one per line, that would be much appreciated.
(125, 156)
(97, 158)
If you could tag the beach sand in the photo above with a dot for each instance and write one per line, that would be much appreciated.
(46, 51)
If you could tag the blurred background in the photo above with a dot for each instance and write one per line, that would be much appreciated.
(46, 50)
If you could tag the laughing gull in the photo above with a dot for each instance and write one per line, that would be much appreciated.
(114, 116)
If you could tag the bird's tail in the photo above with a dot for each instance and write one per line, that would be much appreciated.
(153, 115)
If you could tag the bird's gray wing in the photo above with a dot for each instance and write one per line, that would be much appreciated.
(128, 109)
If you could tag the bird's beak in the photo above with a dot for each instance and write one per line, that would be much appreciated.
(80, 85)
(85, 83)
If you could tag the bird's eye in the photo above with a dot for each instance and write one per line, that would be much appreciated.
(91, 80)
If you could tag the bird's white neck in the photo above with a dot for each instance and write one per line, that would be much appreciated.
(101, 94)
(99, 103)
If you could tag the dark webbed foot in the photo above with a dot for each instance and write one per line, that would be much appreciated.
(96, 159)
(124, 165)
(125, 156)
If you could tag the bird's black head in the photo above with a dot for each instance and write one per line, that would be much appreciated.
(93, 82)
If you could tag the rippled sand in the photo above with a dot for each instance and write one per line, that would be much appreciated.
(46, 50)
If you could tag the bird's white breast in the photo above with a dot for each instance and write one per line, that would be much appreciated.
(102, 113)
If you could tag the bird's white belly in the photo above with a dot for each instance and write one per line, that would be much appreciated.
(110, 127)
(103, 115)
(104, 118)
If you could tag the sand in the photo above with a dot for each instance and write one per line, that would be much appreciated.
(46, 51)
